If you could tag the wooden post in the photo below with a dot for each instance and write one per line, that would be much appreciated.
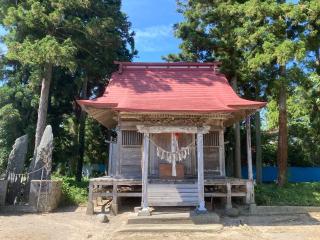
(114, 204)
(173, 149)
(119, 148)
(222, 154)
(145, 161)
(110, 172)
(229, 196)
(201, 206)
(90, 206)
(249, 154)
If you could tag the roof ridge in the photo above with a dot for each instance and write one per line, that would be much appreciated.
(169, 65)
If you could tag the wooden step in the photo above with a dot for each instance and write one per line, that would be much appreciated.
(172, 194)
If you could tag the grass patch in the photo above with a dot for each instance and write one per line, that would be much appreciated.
(292, 194)
(73, 192)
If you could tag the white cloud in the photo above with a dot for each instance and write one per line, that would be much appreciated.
(154, 39)
(154, 32)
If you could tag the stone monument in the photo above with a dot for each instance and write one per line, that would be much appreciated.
(43, 158)
(15, 167)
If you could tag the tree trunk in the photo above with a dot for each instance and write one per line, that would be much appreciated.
(317, 54)
(43, 108)
(258, 148)
(81, 139)
(282, 154)
(237, 155)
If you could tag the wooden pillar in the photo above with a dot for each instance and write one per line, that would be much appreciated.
(145, 162)
(250, 192)
(90, 206)
(222, 153)
(114, 204)
(201, 206)
(229, 196)
(117, 163)
(249, 153)
(110, 172)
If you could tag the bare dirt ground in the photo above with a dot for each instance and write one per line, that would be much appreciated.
(72, 224)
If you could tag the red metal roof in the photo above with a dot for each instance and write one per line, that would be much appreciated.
(170, 87)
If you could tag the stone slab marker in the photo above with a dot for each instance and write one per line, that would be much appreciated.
(45, 195)
(15, 165)
(43, 156)
(17, 156)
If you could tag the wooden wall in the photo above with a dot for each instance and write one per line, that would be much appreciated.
(131, 154)
(211, 154)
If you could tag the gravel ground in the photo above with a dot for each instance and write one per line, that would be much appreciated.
(71, 224)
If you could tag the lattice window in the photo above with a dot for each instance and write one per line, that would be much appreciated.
(211, 139)
(131, 138)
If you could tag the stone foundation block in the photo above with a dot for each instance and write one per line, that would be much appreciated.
(48, 197)
(90, 208)
(3, 191)
(205, 218)
(144, 212)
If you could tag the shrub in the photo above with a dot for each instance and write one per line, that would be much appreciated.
(292, 194)
(73, 192)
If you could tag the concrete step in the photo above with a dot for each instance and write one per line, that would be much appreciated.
(188, 217)
(136, 228)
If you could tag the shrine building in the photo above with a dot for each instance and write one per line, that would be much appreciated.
(170, 120)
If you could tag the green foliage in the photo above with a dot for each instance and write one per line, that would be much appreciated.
(292, 194)
(96, 136)
(303, 122)
(45, 50)
(73, 192)
(16, 114)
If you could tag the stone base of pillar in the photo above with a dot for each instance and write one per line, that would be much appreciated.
(201, 208)
(228, 206)
(201, 211)
(144, 212)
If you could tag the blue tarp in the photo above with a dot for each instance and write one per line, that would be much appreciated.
(295, 174)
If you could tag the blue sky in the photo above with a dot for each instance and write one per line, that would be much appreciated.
(153, 23)
(2, 46)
